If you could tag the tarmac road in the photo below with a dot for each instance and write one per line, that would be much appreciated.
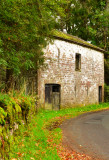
(89, 134)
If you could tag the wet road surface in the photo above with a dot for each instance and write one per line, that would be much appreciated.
(89, 134)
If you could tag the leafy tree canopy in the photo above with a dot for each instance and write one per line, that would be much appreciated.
(88, 20)
(24, 28)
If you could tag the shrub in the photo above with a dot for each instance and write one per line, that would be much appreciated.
(106, 93)
(14, 109)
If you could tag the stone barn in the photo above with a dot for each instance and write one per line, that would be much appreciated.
(74, 73)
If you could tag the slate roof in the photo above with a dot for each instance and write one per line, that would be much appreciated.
(73, 39)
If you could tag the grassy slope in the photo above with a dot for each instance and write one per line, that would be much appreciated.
(40, 140)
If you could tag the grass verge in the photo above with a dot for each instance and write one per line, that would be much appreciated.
(41, 138)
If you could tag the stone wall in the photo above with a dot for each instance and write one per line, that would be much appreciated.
(77, 87)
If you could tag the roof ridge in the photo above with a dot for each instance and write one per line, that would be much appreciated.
(74, 39)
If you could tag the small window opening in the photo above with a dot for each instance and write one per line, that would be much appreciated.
(78, 62)
(55, 88)
(75, 91)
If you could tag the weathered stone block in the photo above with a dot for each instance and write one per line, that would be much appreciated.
(76, 86)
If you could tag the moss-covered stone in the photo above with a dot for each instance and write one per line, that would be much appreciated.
(73, 39)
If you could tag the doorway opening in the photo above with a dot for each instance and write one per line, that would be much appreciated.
(52, 96)
(100, 94)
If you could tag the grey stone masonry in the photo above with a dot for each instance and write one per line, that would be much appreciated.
(77, 85)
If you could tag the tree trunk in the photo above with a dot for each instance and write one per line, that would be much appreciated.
(9, 80)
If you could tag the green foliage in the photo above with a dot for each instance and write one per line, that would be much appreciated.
(10, 107)
(3, 115)
(88, 20)
(15, 110)
(24, 30)
(106, 93)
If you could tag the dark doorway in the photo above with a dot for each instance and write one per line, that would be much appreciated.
(52, 96)
(100, 94)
